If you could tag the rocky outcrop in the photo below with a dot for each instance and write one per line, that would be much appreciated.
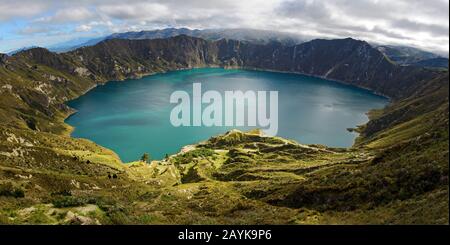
(43, 56)
(3, 58)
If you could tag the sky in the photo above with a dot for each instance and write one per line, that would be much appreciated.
(418, 23)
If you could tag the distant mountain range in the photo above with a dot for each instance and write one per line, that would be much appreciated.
(20, 50)
(438, 62)
(401, 55)
(249, 35)
(74, 44)
(412, 56)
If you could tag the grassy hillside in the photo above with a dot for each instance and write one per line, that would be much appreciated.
(397, 172)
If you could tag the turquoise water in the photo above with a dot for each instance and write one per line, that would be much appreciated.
(133, 117)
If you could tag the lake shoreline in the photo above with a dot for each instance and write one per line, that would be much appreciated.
(286, 135)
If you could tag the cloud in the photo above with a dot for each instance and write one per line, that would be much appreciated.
(137, 11)
(83, 28)
(10, 9)
(68, 15)
(414, 26)
(418, 23)
(422, 24)
(94, 24)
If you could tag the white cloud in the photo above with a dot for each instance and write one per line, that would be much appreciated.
(68, 15)
(16, 9)
(136, 11)
(93, 24)
(420, 23)
(83, 28)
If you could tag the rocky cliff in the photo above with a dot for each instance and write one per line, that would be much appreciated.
(347, 60)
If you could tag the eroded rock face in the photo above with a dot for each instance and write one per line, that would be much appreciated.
(77, 219)
(83, 72)
(3, 58)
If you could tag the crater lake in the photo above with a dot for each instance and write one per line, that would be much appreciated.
(132, 117)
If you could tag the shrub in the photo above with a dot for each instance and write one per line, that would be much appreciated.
(68, 201)
(189, 156)
(146, 158)
(9, 190)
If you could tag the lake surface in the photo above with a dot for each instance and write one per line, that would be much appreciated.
(132, 117)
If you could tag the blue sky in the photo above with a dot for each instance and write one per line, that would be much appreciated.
(417, 23)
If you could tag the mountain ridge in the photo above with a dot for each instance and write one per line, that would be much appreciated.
(402, 55)
(286, 55)
(242, 34)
